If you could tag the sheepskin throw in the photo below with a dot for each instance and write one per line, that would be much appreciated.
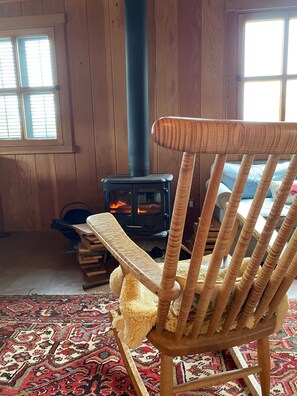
(138, 305)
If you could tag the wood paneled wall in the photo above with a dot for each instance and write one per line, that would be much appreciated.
(186, 47)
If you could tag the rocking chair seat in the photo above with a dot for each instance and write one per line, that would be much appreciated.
(167, 344)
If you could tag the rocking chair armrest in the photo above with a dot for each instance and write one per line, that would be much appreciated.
(131, 257)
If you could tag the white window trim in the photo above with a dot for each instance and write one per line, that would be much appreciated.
(244, 17)
(34, 21)
(53, 26)
(259, 5)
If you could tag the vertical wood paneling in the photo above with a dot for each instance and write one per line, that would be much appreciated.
(2, 228)
(212, 57)
(47, 189)
(65, 168)
(33, 7)
(10, 9)
(212, 73)
(151, 32)
(101, 85)
(167, 76)
(167, 58)
(117, 42)
(79, 66)
(53, 6)
(189, 58)
(10, 193)
(29, 202)
(189, 68)
(231, 69)
(186, 68)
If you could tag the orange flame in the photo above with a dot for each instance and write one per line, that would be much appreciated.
(120, 207)
(116, 205)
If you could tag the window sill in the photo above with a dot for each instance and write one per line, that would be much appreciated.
(44, 149)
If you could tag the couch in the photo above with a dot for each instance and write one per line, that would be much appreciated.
(227, 182)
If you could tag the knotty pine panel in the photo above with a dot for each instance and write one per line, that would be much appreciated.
(80, 80)
(10, 9)
(33, 7)
(102, 91)
(117, 49)
(167, 77)
(151, 34)
(53, 6)
(10, 194)
(67, 188)
(29, 204)
(189, 66)
(212, 73)
(189, 58)
(47, 189)
(212, 57)
(2, 229)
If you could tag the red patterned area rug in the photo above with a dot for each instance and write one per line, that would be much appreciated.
(64, 346)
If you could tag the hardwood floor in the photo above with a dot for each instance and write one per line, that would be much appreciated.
(42, 263)
(39, 263)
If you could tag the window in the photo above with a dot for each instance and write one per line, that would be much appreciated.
(267, 79)
(27, 101)
(31, 117)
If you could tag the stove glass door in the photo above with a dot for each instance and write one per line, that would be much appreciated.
(149, 201)
(120, 201)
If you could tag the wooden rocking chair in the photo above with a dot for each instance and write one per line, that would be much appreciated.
(239, 308)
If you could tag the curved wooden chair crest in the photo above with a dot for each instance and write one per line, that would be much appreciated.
(237, 309)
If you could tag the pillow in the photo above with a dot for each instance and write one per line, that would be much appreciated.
(230, 173)
(231, 170)
(274, 187)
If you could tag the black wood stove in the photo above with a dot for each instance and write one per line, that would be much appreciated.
(142, 205)
(140, 201)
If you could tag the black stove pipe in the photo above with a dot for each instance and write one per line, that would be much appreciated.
(137, 86)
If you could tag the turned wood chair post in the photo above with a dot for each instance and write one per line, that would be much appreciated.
(264, 362)
(176, 233)
(166, 375)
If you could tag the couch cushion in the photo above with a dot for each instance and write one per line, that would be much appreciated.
(231, 170)
(266, 208)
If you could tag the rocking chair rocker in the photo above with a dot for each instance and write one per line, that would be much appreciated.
(217, 313)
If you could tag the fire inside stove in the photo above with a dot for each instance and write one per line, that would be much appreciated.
(120, 207)
(148, 202)
(120, 202)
